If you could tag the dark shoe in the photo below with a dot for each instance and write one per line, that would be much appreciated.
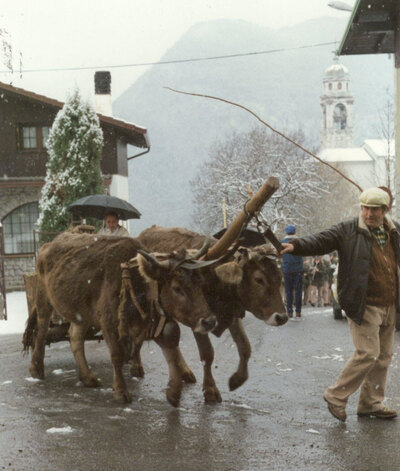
(385, 414)
(312, 304)
(298, 314)
(337, 411)
(290, 314)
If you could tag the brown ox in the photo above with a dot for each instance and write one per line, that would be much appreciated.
(254, 286)
(80, 277)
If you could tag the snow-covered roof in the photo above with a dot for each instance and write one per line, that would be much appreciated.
(379, 147)
(136, 135)
(345, 154)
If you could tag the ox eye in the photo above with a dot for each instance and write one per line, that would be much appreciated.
(178, 290)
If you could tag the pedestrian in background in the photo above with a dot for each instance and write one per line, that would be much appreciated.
(306, 280)
(368, 288)
(317, 282)
(292, 266)
(327, 279)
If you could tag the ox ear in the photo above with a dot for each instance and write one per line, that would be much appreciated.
(230, 272)
(149, 270)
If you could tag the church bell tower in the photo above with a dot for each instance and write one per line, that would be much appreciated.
(337, 108)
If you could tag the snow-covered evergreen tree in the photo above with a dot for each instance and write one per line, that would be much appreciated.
(73, 169)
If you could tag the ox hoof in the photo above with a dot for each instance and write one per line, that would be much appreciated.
(188, 377)
(90, 381)
(123, 396)
(173, 396)
(137, 371)
(37, 373)
(212, 395)
(235, 381)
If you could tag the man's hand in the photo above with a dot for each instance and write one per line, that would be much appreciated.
(287, 248)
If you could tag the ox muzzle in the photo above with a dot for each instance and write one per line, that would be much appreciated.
(277, 318)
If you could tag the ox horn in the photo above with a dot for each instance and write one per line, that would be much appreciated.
(195, 257)
(165, 264)
(203, 250)
(254, 205)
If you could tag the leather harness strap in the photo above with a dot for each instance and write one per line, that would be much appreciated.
(268, 234)
(157, 314)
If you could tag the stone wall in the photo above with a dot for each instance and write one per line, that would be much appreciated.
(11, 198)
(14, 269)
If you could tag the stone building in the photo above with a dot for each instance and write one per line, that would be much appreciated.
(25, 120)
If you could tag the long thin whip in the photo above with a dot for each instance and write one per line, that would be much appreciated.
(271, 128)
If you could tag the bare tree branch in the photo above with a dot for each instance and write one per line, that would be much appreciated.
(271, 128)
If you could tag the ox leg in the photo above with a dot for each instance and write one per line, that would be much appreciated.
(135, 361)
(173, 330)
(187, 374)
(43, 310)
(117, 359)
(244, 349)
(169, 341)
(210, 390)
(137, 369)
(77, 334)
(37, 362)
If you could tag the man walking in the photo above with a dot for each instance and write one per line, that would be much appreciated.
(369, 258)
(293, 275)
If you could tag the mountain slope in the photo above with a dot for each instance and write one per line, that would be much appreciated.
(284, 88)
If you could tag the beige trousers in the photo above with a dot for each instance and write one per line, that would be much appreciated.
(369, 364)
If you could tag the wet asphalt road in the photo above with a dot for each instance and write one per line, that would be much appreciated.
(276, 421)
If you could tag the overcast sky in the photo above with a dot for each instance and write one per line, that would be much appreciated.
(90, 33)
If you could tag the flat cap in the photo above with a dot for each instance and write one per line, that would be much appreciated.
(374, 197)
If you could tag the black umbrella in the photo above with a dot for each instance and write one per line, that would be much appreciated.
(98, 206)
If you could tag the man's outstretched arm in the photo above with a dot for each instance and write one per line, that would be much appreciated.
(287, 248)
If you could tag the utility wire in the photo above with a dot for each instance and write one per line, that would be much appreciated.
(177, 61)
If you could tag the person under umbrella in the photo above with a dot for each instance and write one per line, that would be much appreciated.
(112, 226)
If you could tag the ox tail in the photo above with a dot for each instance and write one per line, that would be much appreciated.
(28, 339)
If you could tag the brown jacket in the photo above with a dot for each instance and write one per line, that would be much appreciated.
(382, 282)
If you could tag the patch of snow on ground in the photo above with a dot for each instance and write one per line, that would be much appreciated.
(6, 382)
(58, 372)
(311, 430)
(67, 429)
(17, 314)
(33, 380)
